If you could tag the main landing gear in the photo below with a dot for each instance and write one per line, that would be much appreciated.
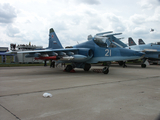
(68, 68)
(121, 63)
(145, 61)
(143, 65)
(87, 67)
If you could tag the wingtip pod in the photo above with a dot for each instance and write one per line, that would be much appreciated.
(51, 30)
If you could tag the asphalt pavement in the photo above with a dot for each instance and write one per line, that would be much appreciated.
(131, 93)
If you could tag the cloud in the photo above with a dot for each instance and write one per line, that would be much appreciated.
(115, 22)
(74, 20)
(149, 4)
(59, 26)
(154, 35)
(140, 31)
(96, 27)
(155, 17)
(89, 2)
(7, 13)
(138, 19)
(12, 31)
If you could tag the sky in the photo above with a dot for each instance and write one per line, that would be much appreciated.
(24, 21)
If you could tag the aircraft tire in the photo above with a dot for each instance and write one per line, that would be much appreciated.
(105, 70)
(143, 65)
(69, 68)
(87, 67)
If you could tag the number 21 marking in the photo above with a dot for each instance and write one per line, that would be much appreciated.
(108, 52)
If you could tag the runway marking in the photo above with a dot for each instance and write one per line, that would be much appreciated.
(17, 94)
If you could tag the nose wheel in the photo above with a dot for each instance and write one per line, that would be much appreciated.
(105, 70)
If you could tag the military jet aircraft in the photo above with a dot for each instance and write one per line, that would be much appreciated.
(151, 50)
(96, 49)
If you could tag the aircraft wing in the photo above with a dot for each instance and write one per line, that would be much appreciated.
(42, 51)
(69, 54)
(49, 50)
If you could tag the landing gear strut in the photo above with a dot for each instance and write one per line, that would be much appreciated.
(121, 63)
(124, 64)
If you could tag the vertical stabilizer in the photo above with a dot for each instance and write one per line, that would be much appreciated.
(54, 42)
(131, 41)
(141, 42)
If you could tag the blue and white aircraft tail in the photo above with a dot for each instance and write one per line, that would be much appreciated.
(131, 42)
(54, 42)
(141, 42)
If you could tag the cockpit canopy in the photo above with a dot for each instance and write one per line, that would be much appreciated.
(103, 42)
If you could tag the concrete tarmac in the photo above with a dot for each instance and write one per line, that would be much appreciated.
(131, 93)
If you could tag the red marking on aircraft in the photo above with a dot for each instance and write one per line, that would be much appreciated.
(47, 58)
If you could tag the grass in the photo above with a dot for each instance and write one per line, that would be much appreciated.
(9, 63)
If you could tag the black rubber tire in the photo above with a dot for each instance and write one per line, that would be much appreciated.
(87, 67)
(69, 68)
(105, 70)
(143, 65)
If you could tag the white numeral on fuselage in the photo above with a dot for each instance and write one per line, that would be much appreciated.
(108, 52)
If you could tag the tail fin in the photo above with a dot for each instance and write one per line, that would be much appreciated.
(141, 42)
(131, 41)
(54, 42)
